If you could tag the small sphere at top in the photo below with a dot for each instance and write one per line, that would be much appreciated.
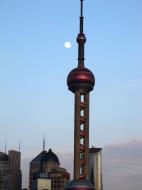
(67, 45)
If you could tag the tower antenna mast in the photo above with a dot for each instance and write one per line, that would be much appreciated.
(81, 39)
(5, 144)
(19, 145)
(43, 142)
(81, 18)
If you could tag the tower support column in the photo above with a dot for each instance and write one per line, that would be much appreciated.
(76, 134)
(81, 135)
(87, 135)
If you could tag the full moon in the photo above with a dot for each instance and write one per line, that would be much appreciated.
(67, 45)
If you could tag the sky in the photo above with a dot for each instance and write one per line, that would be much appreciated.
(34, 64)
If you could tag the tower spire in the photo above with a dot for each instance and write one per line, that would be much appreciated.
(43, 142)
(19, 145)
(81, 17)
(81, 39)
(5, 146)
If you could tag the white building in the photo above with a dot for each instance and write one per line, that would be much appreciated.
(44, 184)
(41, 183)
(95, 175)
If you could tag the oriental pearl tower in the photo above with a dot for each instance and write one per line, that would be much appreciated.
(81, 82)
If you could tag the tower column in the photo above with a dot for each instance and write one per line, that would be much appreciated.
(76, 134)
(87, 135)
(81, 135)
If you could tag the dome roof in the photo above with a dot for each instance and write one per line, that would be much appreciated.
(39, 157)
(45, 157)
(50, 157)
(79, 185)
(80, 78)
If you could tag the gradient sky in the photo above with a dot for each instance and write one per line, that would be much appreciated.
(34, 66)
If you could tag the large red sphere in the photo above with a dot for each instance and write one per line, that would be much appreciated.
(80, 78)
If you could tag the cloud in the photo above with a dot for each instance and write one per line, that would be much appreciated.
(122, 166)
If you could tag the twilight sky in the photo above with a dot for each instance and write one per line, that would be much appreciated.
(34, 65)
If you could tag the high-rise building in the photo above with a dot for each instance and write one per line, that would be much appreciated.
(95, 155)
(10, 173)
(3, 170)
(14, 159)
(47, 164)
(81, 81)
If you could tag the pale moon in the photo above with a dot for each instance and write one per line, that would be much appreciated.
(67, 45)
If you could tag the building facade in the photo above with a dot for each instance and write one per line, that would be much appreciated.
(3, 171)
(41, 182)
(95, 175)
(10, 172)
(47, 164)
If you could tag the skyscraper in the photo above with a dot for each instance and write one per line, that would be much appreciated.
(81, 81)
(10, 173)
(3, 170)
(95, 159)
(47, 165)
(14, 162)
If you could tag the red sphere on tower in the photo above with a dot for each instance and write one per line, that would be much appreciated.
(80, 77)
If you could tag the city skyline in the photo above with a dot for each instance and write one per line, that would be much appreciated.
(33, 59)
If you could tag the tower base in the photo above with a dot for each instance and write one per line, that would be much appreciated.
(79, 185)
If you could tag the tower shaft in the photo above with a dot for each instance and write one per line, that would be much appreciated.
(81, 135)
